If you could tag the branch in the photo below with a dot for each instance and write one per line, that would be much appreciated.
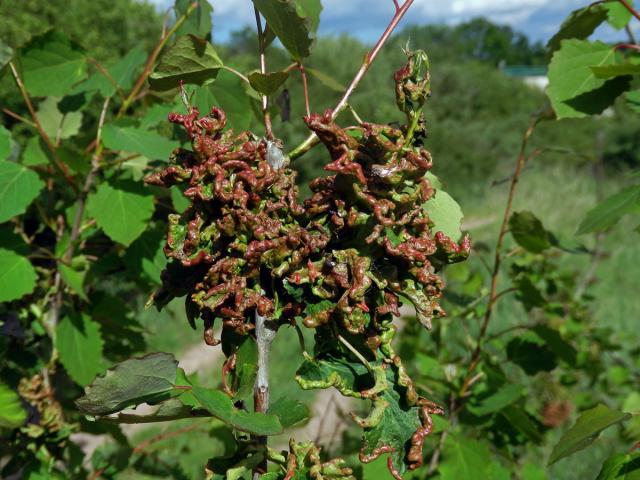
(152, 59)
(493, 292)
(263, 70)
(312, 139)
(628, 6)
(265, 334)
(60, 165)
(305, 88)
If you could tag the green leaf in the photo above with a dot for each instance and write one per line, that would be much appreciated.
(136, 140)
(17, 276)
(610, 71)
(122, 210)
(74, 277)
(12, 414)
(617, 14)
(54, 123)
(557, 344)
(607, 213)
(267, 83)
(19, 186)
(33, 154)
(293, 30)
(503, 397)
(151, 379)
(190, 59)
(391, 422)
(633, 100)
(229, 94)
(445, 213)
(570, 75)
(121, 75)
(221, 406)
(79, 344)
(145, 257)
(623, 466)
(199, 22)
(310, 9)
(465, 458)
(51, 64)
(289, 411)
(585, 431)
(246, 368)
(578, 25)
(529, 232)
(327, 80)
(5, 143)
(6, 54)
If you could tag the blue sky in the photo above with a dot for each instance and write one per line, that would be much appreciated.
(365, 19)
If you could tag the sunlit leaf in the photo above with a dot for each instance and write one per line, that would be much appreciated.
(578, 25)
(79, 345)
(54, 123)
(199, 22)
(17, 276)
(12, 414)
(121, 210)
(190, 59)
(6, 54)
(137, 140)
(465, 458)
(617, 14)
(293, 30)
(445, 213)
(119, 75)
(19, 186)
(574, 90)
(51, 64)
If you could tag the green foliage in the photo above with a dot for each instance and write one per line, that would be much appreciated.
(79, 344)
(585, 431)
(291, 24)
(121, 210)
(51, 64)
(611, 210)
(190, 60)
(79, 254)
(19, 186)
(12, 414)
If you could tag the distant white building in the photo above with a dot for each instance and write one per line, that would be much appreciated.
(533, 75)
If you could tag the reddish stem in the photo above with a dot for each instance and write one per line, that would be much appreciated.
(305, 88)
(493, 292)
(628, 6)
(50, 145)
(312, 139)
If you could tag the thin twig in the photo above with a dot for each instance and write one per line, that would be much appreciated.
(107, 75)
(20, 118)
(632, 37)
(628, 6)
(305, 88)
(353, 350)
(152, 59)
(522, 159)
(60, 165)
(236, 73)
(165, 435)
(263, 69)
(312, 139)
